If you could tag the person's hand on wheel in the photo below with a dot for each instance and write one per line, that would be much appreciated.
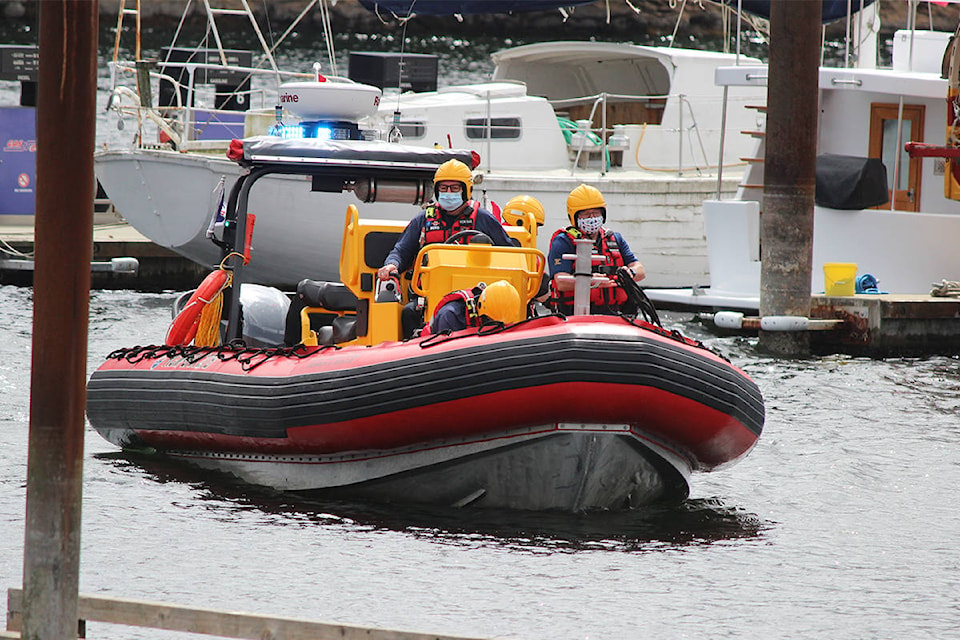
(387, 271)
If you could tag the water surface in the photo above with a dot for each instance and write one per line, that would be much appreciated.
(841, 523)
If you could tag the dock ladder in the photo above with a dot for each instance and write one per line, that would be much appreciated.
(752, 180)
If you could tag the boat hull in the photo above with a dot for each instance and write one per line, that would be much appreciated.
(568, 415)
(659, 214)
(624, 469)
(908, 252)
(297, 238)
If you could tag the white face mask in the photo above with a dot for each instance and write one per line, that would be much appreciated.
(590, 225)
(449, 200)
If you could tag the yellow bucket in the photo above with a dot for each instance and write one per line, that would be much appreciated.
(839, 278)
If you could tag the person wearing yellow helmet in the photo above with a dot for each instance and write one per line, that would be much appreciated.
(451, 212)
(515, 211)
(587, 212)
(498, 302)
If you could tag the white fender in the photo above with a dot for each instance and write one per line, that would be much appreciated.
(784, 323)
(728, 319)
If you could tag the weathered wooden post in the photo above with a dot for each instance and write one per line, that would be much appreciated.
(66, 127)
(790, 170)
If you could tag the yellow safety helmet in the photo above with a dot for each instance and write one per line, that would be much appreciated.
(585, 197)
(517, 206)
(457, 171)
(500, 301)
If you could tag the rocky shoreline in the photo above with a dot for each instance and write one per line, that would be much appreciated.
(636, 20)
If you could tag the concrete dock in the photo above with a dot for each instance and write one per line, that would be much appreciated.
(872, 325)
(158, 269)
(886, 324)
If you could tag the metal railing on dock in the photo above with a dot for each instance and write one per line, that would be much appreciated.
(225, 624)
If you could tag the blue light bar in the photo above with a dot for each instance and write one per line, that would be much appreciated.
(287, 131)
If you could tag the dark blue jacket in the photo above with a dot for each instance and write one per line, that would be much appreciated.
(451, 316)
(408, 245)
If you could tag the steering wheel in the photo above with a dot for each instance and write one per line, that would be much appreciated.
(477, 237)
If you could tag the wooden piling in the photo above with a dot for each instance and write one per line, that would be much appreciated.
(789, 170)
(66, 126)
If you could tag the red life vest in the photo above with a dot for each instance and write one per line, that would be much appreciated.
(601, 297)
(436, 228)
(469, 297)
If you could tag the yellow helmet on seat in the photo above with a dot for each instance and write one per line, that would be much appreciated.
(456, 171)
(500, 301)
(585, 197)
(517, 206)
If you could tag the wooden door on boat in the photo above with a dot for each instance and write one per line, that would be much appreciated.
(883, 145)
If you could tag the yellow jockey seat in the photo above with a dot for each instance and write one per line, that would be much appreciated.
(440, 269)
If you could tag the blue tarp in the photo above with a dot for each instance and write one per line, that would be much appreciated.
(832, 9)
(450, 7)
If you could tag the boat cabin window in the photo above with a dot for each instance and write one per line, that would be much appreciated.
(646, 111)
(413, 130)
(499, 128)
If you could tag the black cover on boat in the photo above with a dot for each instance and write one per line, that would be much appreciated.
(850, 182)
(348, 153)
(333, 296)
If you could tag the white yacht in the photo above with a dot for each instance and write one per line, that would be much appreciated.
(887, 180)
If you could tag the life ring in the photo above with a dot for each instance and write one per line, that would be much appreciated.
(184, 326)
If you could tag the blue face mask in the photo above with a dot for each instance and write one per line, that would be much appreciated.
(449, 201)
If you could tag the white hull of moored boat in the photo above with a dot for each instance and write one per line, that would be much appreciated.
(908, 252)
(175, 198)
(170, 197)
